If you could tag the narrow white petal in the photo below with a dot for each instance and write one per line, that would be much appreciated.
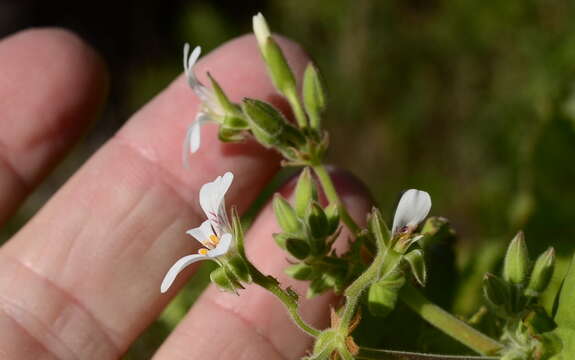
(186, 52)
(193, 137)
(212, 195)
(202, 233)
(223, 246)
(412, 209)
(261, 29)
(177, 268)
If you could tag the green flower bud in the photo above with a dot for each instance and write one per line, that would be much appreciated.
(382, 295)
(416, 261)
(281, 239)
(305, 192)
(269, 126)
(313, 95)
(224, 281)
(516, 263)
(379, 229)
(280, 72)
(240, 270)
(285, 215)
(298, 248)
(542, 273)
(300, 271)
(332, 213)
(496, 292)
(317, 221)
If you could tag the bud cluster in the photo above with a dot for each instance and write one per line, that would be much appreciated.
(308, 233)
(511, 295)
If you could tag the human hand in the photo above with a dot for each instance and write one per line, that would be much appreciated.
(81, 280)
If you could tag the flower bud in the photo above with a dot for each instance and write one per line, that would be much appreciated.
(317, 221)
(238, 267)
(285, 215)
(224, 281)
(542, 273)
(300, 271)
(496, 291)
(269, 126)
(379, 229)
(416, 261)
(332, 213)
(382, 295)
(305, 192)
(313, 95)
(516, 263)
(298, 248)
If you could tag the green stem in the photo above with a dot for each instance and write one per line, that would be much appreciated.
(333, 198)
(447, 323)
(272, 285)
(377, 354)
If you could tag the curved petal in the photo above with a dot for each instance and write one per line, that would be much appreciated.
(178, 267)
(212, 195)
(202, 233)
(223, 246)
(192, 140)
(413, 207)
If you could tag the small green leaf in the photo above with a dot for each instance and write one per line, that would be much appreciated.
(286, 215)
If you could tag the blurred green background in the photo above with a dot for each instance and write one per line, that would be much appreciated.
(472, 101)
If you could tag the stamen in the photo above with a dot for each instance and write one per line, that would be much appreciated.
(203, 251)
(214, 240)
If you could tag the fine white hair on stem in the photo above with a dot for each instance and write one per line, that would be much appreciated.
(412, 209)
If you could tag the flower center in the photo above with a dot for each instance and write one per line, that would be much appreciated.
(214, 240)
(203, 251)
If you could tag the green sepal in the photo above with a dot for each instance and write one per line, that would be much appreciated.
(300, 271)
(224, 280)
(496, 293)
(305, 192)
(230, 135)
(332, 213)
(516, 262)
(416, 261)
(541, 273)
(238, 267)
(286, 215)
(313, 95)
(229, 107)
(379, 229)
(317, 221)
(297, 248)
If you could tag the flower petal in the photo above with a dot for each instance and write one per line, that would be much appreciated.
(412, 209)
(192, 140)
(223, 246)
(180, 265)
(212, 196)
(202, 233)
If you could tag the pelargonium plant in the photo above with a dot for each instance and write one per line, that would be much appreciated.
(381, 267)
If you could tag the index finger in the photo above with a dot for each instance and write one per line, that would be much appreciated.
(100, 247)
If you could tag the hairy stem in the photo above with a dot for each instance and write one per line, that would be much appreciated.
(377, 354)
(289, 301)
(448, 323)
(333, 198)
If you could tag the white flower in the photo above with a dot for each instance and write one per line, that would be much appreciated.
(412, 209)
(214, 233)
(210, 105)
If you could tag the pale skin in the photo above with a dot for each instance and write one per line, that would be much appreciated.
(82, 279)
